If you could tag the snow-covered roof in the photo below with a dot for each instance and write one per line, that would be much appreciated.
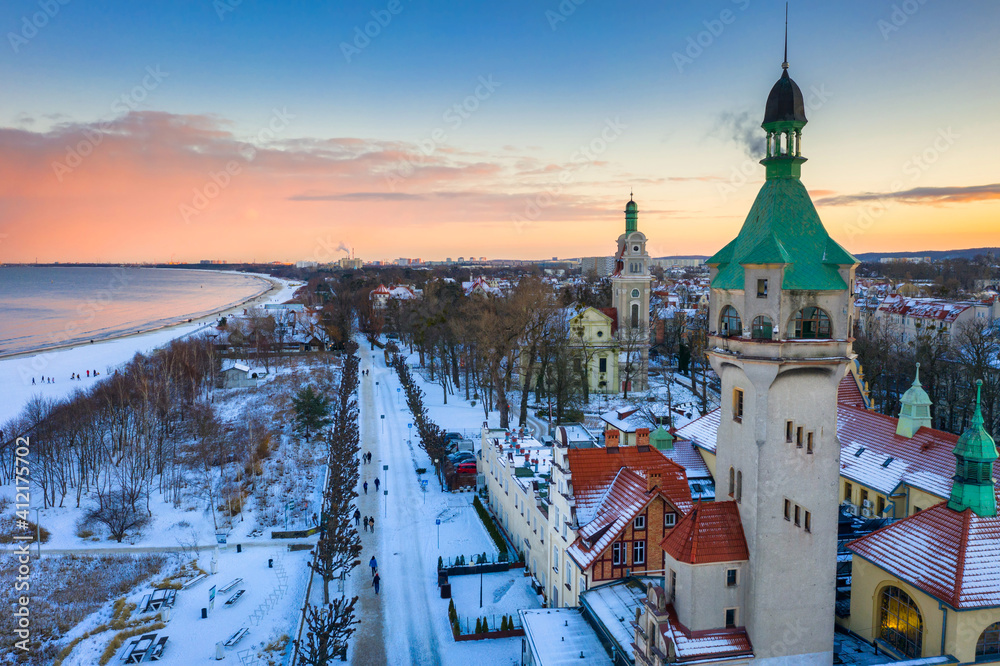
(952, 556)
(562, 636)
(925, 308)
(614, 607)
(231, 364)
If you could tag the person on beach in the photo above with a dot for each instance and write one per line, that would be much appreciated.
(375, 582)
(357, 517)
(366, 487)
(376, 484)
(374, 565)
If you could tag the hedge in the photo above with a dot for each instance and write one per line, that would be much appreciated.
(490, 525)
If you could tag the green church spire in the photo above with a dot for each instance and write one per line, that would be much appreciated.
(975, 452)
(631, 215)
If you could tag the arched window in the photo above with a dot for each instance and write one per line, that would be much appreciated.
(730, 324)
(635, 315)
(900, 624)
(989, 642)
(761, 328)
(739, 486)
(732, 481)
(811, 323)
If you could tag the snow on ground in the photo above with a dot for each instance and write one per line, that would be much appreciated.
(503, 593)
(416, 628)
(17, 372)
(269, 608)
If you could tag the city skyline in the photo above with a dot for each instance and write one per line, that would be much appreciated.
(252, 130)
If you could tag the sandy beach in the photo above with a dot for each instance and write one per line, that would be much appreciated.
(18, 370)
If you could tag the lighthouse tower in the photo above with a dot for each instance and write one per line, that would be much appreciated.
(780, 321)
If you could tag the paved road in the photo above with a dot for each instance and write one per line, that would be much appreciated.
(398, 539)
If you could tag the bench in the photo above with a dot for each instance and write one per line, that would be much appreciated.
(237, 637)
(128, 649)
(138, 649)
(194, 581)
(230, 585)
(231, 601)
(144, 604)
(156, 651)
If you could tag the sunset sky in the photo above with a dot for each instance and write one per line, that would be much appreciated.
(250, 130)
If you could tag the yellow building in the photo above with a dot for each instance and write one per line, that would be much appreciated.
(593, 342)
(929, 585)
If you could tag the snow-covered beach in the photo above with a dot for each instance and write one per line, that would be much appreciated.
(17, 371)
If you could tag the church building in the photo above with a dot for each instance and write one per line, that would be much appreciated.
(630, 287)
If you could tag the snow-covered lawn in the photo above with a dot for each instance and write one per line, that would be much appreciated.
(503, 593)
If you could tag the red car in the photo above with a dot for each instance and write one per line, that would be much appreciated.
(466, 468)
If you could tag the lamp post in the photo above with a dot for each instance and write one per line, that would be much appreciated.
(376, 388)
(397, 396)
(383, 423)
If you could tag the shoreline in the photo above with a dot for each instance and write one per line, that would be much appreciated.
(274, 285)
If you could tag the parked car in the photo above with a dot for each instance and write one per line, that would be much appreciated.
(460, 457)
(448, 436)
(466, 468)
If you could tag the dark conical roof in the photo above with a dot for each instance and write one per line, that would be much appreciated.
(784, 103)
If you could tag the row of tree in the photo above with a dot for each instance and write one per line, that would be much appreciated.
(431, 435)
(331, 624)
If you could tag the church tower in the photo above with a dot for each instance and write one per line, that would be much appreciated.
(780, 321)
(630, 286)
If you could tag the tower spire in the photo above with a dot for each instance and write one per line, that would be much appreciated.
(784, 65)
(975, 453)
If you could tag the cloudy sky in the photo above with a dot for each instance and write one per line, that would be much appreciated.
(243, 129)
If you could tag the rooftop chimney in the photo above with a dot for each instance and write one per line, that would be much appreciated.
(611, 437)
(653, 480)
(642, 437)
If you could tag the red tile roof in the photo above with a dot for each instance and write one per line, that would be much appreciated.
(696, 646)
(849, 393)
(871, 453)
(593, 471)
(925, 308)
(952, 556)
(625, 499)
(711, 532)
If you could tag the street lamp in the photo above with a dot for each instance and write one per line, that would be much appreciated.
(376, 388)
(383, 423)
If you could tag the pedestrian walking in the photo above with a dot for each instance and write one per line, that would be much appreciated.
(366, 487)
(369, 457)
(374, 565)
(366, 523)
(371, 524)
(376, 484)
(357, 517)
(375, 582)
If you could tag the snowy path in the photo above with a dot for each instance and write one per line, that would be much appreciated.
(402, 549)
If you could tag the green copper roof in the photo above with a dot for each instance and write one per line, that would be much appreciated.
(975, 444)
(784, 227)
(975, 452)
(631, 216)
(661, 438)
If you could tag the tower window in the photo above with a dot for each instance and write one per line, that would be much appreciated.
(798, 437)
(809, 442)
(602, 364)
(732, 481)
(798, 515)
(738, 404)
(730, 323)
(808, 522)
(762, 288)
(811, 323)
(635, 293)
(739, 486)
(762, 328)
(788, 510)
(730, 618)
(635, 315)
(789, 428)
